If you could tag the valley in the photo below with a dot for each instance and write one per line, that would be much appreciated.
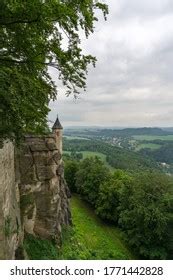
(156, 146)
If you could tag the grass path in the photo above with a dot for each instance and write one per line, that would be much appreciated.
(92, 238)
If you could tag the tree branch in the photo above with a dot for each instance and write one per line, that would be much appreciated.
(51, 64)
(20, 21)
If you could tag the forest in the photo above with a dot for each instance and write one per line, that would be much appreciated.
(126, 189)
(139, 203)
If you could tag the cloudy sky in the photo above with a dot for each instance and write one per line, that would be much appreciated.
(132, 84)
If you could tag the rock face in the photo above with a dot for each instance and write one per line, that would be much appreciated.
(43, 190)
(11, 234)
(34, 197)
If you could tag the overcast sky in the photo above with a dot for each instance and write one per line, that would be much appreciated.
(132, 84)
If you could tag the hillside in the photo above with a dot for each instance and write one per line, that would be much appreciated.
(89, 237)
(115, 156)
(85, 241)
(125, 132)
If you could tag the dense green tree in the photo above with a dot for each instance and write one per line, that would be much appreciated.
(76, 156)
(162, 154)
(33, 36)
(71, 168)
(144, 214)
(92, 172)
(140, 203)
(108, 200)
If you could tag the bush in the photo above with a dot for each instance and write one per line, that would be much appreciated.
(71, 168)
(39, 249)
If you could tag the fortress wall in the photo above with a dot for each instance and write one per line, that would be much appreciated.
(43, 190)
(34, 197)
(10, 225)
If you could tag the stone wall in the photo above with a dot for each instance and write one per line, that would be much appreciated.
(34, 197)
(11, 234)
(43, 190)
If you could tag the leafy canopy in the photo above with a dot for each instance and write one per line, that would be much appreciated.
(89, 177)
(108, 199)
(144, 209)
(36, 35)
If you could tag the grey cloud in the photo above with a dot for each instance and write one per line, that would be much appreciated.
(142, 8)
(132, 83)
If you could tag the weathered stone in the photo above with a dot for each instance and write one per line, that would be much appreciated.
(51, 145)
(41, 158)
(24, 149)
(29, 219)
(38, 147)
(56, 157)
(11, 234)
(44, 172)
(40, 189)
(28, 175)
(26, 161)
(37, 144)
(60, 170)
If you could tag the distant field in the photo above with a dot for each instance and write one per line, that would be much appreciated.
(153, 137)
(75, 137)
(87, 154)
(148, 145)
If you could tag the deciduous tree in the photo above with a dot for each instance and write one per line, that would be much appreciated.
(32, 35)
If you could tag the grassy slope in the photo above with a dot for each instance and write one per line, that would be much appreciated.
(87, 154)
(90, 154)
(91, 238)
(117, 157)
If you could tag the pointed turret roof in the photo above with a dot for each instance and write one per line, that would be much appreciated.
(57, 124)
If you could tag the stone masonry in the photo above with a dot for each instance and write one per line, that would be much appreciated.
(34, 197)
(43, 191)
(11, 234)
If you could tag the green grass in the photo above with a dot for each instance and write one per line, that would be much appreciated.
(39, 249)
(75, 137)
(87, 154)
(91, 238)
(148, 146)
(153, 137)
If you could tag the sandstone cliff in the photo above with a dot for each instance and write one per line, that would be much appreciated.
(34, 197)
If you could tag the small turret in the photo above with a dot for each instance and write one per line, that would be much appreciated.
(57, 129)
(57, 124)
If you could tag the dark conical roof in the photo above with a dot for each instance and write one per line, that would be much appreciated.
(57, 124)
